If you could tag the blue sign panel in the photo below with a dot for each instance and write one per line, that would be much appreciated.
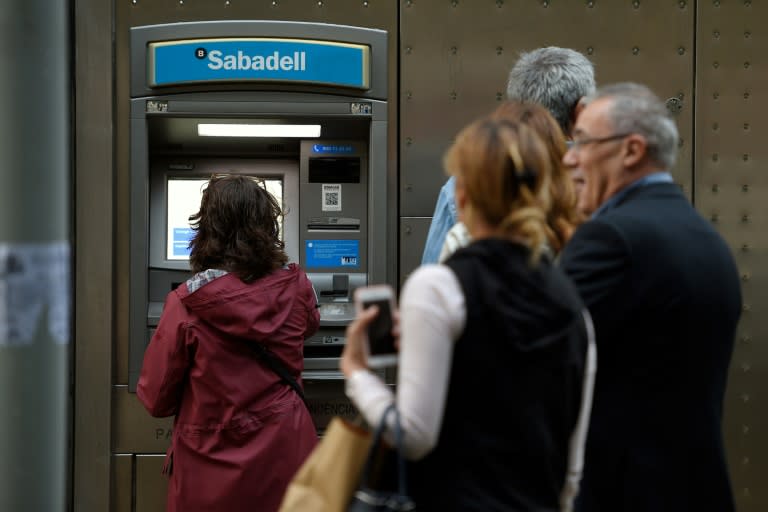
(259, 59)
(181, 239)
(332, 253)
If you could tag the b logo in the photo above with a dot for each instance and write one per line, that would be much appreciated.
(201, 53)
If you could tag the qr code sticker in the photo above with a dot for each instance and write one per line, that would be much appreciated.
(331, 198)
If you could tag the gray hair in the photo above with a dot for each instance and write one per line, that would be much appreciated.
(556, 78)
(636, 109)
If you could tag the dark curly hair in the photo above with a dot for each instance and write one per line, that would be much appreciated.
(237, 229)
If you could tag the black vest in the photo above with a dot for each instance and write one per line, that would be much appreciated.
(514, 388)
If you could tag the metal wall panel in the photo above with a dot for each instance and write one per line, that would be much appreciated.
(413, 232)
(455, 57)
(151, 484)
(93, 255)
(731, 185)
(121, 483)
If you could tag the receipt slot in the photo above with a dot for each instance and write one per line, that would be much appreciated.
(310, 103)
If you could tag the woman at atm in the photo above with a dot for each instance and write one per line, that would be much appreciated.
(494, 374)
(240, 430)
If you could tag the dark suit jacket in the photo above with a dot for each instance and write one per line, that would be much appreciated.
(664, 293)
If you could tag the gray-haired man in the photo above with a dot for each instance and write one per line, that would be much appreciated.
(554, 77)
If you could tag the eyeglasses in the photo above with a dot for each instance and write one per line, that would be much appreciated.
(578, 143)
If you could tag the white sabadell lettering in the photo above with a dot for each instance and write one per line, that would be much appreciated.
(242, 61)
(215, 59)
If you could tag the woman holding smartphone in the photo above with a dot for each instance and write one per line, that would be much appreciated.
(493, 384)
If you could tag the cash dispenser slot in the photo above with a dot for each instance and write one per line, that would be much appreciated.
(333, 224)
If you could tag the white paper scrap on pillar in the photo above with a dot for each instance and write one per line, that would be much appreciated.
(35, 284)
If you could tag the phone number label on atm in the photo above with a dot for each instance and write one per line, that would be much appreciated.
(332, 253)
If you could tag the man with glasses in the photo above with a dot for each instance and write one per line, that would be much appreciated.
(664, 293)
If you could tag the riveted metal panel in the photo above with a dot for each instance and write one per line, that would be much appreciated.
(731, 186)
(413, 232)
(455, 57)
(151, 484)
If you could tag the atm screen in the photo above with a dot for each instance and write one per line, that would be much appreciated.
(184, 196)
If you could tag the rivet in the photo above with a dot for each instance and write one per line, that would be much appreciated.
(181, 2)
(408, 141)
(134, 2)
(226, 3)
(715, 188)
(680, 142)
(745, 276)
(274, 3)
(715, 64)
(681, 51)
(499, 50)
(716, 33)
(408, 230)
(745, 218)
(715, 157)
(408, 3)
(635, 50)
(746, 95)
(590, 50)
(499, 3)
(715, 126)
(746, 65)
(636, 4)
(746, 308)
(716, 95)
(365, 3)
(681, 4)
(590, 4)
(745, 367)
(408, 95)
(680, 96)
(745, 430)
(746, 339)
(319, 3)
(745, 492)
(745, 157)
(453, 95)
(746, 126)
(716, 3)
(714, 217)
(545, 3)
(408, 50)
(747, 3)
(454, 50)
(747, 34)
(745, 399)
(499, 96)
(745, 188)
(454, 3)
(745, 460)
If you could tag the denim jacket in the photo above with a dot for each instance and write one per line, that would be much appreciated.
(442, 220)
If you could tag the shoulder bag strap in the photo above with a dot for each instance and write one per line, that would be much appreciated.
(276, 366)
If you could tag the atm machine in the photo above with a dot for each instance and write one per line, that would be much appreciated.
(302, 107)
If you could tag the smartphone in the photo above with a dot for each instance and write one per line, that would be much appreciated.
(381, 343)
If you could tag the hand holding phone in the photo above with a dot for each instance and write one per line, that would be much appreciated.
(380, 343)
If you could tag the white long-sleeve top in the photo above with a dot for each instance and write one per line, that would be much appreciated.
(432, 317)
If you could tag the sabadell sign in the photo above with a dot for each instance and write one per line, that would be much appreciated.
(259, 59)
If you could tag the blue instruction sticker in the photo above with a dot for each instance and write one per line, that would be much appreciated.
(332, 253)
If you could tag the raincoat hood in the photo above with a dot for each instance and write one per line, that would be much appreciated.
(253, 311)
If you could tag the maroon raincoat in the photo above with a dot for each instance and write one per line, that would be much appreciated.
(240, 432)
